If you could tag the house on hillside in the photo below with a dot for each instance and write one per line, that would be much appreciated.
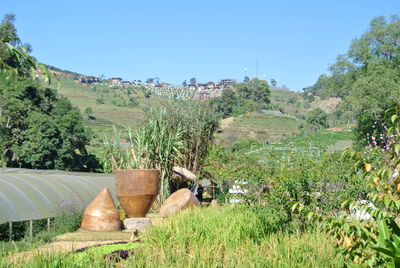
(89, 80)
(116, 80)
(163, 84)
(226, 83)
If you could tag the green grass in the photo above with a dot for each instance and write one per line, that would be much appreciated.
(212, 237)
(306, 145)
(230, 237)
(261, 127)
(109, 113)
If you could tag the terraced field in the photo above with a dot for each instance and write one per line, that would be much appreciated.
(259, 126)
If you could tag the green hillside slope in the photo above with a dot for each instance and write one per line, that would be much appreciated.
(259, 126)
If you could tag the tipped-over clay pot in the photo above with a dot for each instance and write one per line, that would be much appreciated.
(181, 199)
(101, 214)
(136, 190)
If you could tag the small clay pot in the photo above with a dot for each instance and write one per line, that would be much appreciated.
(136, 190)
(101, 214)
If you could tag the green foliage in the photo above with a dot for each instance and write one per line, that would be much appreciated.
(255, 90)
(244, 144)
(321, 183)
(199, 124)
(38, 129)
(317, 118)
(243, 98)
(8, 32)
(100, 100)
(89, 111)
(366, 75)
(15, 60)
(372, 127)
(376, 240)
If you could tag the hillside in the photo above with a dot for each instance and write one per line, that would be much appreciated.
(259, 126)
(293, 103)
(110, 106)
(127, 105)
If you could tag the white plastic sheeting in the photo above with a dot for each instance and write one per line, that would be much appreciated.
(37, 194)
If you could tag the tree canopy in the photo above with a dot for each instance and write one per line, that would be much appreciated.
(369, 72)
(38, 129)
(242, 98)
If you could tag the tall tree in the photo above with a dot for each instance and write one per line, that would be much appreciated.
(14, 57)
(317, 117)
(8, 31)
(37, 128)
(193, 81)
(255, 89)
(375, 56)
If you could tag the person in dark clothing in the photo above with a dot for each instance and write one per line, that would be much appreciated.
(199, 194)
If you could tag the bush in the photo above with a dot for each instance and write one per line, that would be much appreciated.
(317, 118)
(100, 100)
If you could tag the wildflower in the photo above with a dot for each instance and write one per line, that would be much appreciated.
(347, 242)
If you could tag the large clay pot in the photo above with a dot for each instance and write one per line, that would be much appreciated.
(136, 190)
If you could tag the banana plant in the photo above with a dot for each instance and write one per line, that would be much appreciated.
(15, 61)
(388, 243)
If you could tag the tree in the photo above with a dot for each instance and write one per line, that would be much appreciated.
(184, 83)
(273, 82)
(150, 80)
(193, 82)
(8, 31)
(318, 118)
(369, 71)
(89, 112)
(225, 105)
(38, 129)
(246, 79)
(14, 57)
(255, 90)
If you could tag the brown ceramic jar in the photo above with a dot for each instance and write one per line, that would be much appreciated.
(136, 190)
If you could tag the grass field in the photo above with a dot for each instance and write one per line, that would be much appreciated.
(259, 126)
(110, 112)
(307, 145)
(209, 237)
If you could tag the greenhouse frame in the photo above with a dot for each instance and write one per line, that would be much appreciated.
(27, 195)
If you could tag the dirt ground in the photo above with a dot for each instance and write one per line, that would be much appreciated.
(72, 241)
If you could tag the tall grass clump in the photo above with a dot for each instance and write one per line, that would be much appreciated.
(153, 146)
(175, 135)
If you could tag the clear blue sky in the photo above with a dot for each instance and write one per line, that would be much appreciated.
(294, 41)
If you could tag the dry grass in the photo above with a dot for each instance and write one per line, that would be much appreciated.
(82, 235)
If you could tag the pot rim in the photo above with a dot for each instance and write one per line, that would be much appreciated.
(136, 169)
